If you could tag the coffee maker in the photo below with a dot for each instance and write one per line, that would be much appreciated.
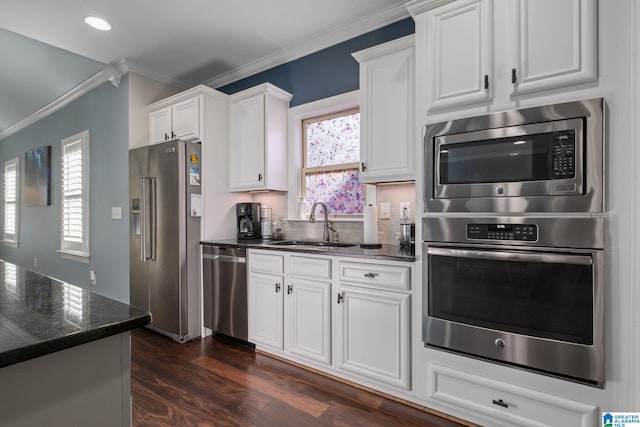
(248, 224)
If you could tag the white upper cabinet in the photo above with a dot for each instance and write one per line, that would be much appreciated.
(490, 52)
(555, 44)
(182, 120)
(387, 111)
(258, 139)
(459, 54)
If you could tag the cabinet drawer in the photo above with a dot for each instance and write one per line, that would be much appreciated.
(377, 275)
(506, 402)
(310, 267)
(266, 263)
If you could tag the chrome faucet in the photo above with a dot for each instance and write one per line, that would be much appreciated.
(327, 225)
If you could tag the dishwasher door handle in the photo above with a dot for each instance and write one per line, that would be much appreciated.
(225, 258)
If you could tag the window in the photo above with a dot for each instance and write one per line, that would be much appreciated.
(11, 197)
(74, 197)
(331, 161)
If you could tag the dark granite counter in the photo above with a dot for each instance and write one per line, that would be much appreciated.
(388, 252)
(40, 315)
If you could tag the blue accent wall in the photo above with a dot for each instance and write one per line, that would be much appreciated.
(104, 112)
(325, 73)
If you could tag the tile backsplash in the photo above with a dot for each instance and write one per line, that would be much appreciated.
(350, 230)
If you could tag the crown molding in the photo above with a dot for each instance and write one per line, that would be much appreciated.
(110, 73)
(417, 7)
(311, 45)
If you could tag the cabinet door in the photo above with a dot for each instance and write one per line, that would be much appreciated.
(266, 310)
(186, 119)
(373, 328)
(554, 44)
(308, 319)
(247, 139)
(459, 54)
(160, 125)
(386, 111)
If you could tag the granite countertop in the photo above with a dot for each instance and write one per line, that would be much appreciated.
(40, 315)
(388, 252)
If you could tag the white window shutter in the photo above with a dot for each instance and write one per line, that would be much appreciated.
(74, 227)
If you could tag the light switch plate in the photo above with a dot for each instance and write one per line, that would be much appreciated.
(385, 210)
(116, 212)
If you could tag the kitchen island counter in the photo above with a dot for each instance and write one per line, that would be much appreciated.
(64, 352)
(40, 315)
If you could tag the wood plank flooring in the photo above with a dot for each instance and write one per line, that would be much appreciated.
(211, 382)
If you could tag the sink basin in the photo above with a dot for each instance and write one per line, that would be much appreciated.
(310, 243)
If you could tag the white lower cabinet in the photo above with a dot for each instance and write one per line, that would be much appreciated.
(290, 305)
(507, 404)
(345, 317)
(266, 310)
(308, 325)
(373, 332)
(265, 302)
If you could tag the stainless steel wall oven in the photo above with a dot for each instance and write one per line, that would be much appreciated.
(542, 159)
(525, 291)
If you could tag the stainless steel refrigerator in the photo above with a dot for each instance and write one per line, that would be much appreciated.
(164, 192)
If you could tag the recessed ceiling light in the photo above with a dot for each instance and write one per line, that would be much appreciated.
(97, 23)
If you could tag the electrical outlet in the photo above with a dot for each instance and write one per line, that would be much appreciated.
(35, 262)
(403, 206)
(385, 210)
(92, 276)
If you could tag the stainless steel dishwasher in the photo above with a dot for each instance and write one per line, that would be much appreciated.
(225, 290)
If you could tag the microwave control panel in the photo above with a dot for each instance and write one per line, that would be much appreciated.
(525, 232)
(563, 154)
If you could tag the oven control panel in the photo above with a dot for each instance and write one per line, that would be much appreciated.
(526, 232)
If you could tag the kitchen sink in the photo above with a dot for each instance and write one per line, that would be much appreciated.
(312, 243)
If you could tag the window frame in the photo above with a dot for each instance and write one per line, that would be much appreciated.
(76, 251)
(307, 170)
(11, 240)
(296, 115)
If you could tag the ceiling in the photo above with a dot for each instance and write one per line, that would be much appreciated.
(180, 42)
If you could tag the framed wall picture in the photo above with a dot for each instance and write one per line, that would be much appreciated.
(37, 177)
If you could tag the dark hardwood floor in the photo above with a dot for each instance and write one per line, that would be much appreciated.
(210, 382)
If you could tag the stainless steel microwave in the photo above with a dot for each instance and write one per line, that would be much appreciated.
(542, 159)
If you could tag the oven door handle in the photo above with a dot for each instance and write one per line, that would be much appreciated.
(513, 256)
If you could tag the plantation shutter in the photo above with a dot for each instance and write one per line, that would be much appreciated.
(74, 228)
(11, 201)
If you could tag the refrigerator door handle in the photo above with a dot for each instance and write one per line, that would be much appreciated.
(149, 216)
(153, 241)
(143, 218)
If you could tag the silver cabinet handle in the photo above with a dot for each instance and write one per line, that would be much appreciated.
(371, 275)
